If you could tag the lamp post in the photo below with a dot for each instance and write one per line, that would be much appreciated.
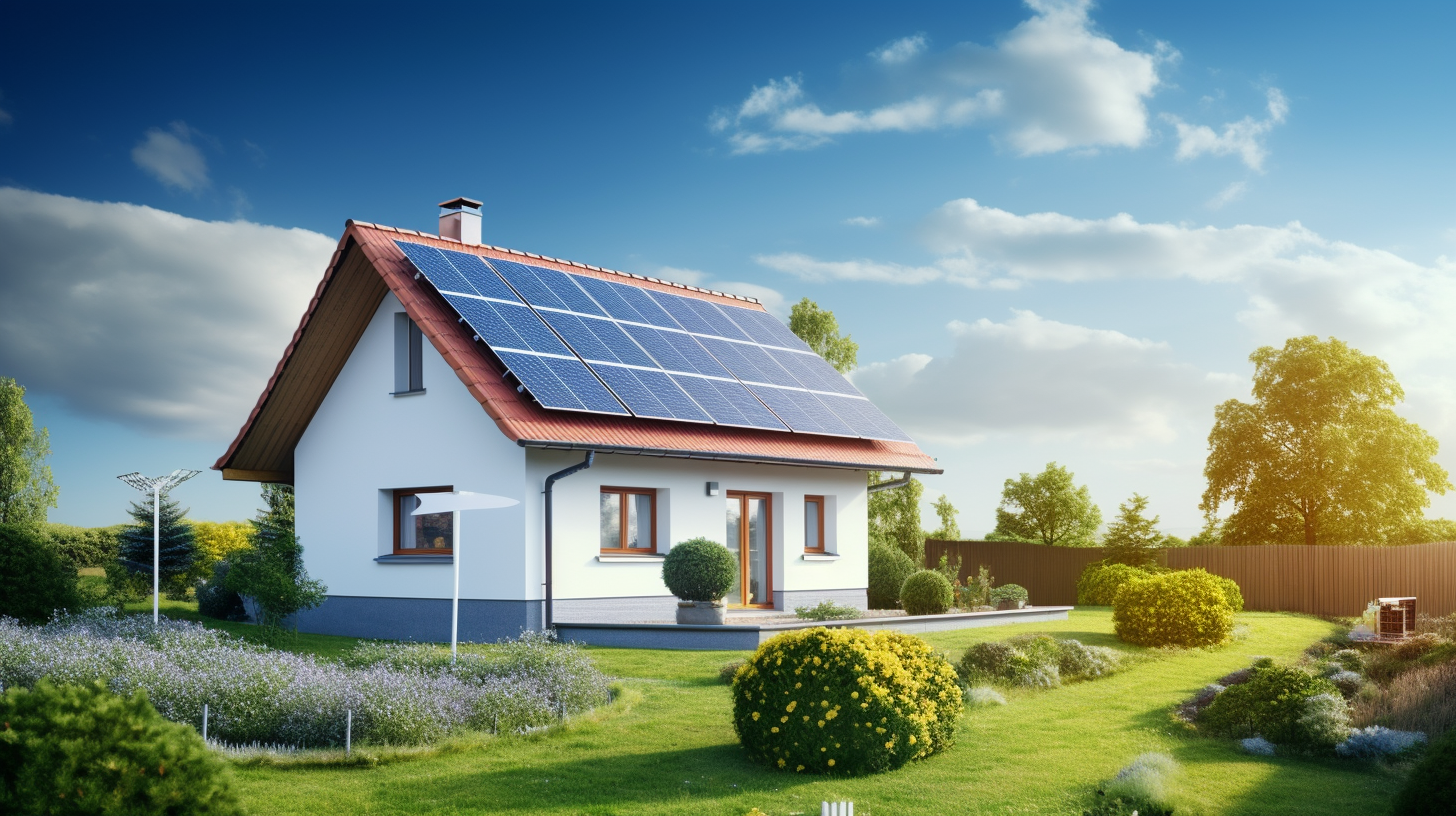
(455, 503)
(157, 486)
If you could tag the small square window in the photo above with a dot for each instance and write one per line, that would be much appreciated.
(814, 524)
(629, 520)
(428, 533)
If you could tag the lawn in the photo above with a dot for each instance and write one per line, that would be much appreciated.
(671, 750)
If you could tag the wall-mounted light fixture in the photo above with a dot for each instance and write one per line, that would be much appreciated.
(712, 488)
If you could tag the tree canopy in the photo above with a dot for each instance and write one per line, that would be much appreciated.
(1047, 508)
(820, 330)
(1132, 538)
(894, 517)
(1319, 456)
(949, 530)
(271, 571)
(26, 489)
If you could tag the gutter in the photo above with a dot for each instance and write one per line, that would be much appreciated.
(720, 456)
(551, 482)
(900, 482)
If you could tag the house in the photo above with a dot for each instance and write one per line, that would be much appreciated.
(666, 412)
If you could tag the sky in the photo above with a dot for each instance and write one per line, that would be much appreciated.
(1057, 230)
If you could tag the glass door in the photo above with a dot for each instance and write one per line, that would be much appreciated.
(749, 522)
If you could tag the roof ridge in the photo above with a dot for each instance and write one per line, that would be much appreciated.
(563, 261)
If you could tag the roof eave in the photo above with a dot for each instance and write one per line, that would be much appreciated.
(722, 456)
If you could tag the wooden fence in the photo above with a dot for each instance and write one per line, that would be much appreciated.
(1295, 578)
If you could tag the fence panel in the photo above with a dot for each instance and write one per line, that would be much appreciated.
(1274, 578)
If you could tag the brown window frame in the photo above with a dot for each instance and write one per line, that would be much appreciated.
(621, 493)
(395, 496)
(820, 502)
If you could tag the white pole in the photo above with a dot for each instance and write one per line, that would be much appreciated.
(156, 550)
(455, 604)
(204, 722)
(349, 732)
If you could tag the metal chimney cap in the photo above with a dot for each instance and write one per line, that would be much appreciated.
(460, 204)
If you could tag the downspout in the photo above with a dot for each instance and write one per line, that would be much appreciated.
(551, 481)
(878, 486)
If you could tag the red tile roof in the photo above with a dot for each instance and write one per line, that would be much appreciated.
(517, 416)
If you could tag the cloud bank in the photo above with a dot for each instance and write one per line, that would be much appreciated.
(161, 322)
(170, 157)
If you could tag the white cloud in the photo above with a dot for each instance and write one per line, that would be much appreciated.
(1042, 377)
(1053, 83)
(772, 299)
(171, 157)
(863, 221)
(160, 322)
(1244, 137)
(808, 268)
(1228, 195)
(899, 51)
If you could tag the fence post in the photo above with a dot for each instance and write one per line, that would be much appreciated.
(349, 732)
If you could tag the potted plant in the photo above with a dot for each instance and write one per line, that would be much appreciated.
(699, 572)
(1009, 596)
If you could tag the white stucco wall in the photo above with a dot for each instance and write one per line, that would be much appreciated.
(686, 511)
(363, 442)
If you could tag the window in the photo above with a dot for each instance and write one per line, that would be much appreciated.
(814, 524)
(629, 520)
(409, 347)
(429, 533)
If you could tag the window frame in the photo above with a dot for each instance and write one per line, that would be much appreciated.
(409, 356)
(394, 497)
(821, 549)
(621, 493)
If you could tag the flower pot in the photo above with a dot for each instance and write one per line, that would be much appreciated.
(1010, 603)
(702, 613)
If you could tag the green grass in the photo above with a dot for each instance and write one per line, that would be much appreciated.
(672, 751)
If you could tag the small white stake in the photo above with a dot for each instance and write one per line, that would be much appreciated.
(349, 732)
(204, 722)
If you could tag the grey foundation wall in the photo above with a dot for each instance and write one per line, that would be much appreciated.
(791, 600)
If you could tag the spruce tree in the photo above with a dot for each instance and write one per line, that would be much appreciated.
(1133, 538)
(178, 549)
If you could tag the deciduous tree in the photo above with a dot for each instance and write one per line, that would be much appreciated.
(271, 572)
(26, 489)
(820, 330)
(894, 517)
(1319, 456)
(1048, 508)
(949, 530)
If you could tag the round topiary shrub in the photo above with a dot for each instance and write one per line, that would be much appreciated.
(845, 701)
(1185, 608)
(699, 570)
(889, 567)
(926, 592)
(1283, 704)
(1430, 790)
(1012, 594)
(1231, 592)
(34, 580)
(1100, 582)
(82, 749)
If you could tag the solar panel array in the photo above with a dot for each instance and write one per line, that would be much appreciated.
(581, 343)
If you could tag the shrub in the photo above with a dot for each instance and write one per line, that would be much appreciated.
(272, 572)
(83, 547)
(730, 670)
(1422, 699)
(926, 592)
(216, 600)
(1415, 646)
(1430, 790)
(1257, 746)
(1146, 782)
(34, 580)
(888, 569)
(1077, 660)
(826, 611)
(1004, 664)
(1009, 592)
(1099, 582)
(1379, 741)
(1349, 658)
(845, 701)
(979, 696)
(1185, 608)
(82, 749)
(699, 570)
(1275, 703)
(1347, 682)
(1231, 592)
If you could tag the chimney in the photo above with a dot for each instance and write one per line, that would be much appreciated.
(460, 219)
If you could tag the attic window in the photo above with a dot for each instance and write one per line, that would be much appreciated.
(409, 347)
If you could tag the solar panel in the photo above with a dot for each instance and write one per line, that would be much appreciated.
(502, 325)
(559, 382)
(484, 279)
(436, 269)
(729, 402)
(749, 363)
(764, 329)
(811, 370)
(651, 394)
(802, 411)
(863, 417)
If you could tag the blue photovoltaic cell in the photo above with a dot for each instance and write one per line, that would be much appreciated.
(801, 411)
(506, 326)
(480, 276)
(763, 328)
(579, 337)
(557, 382)
(524, 281)
(676, 351)
(862, 415)
(440, 273)
(749, 363)
(715, 317)
(561, 285)
(811, 370)
(651, 394)
(729, 403)
(683, 312)
(616, 339)
(609, 296)
(651, 311)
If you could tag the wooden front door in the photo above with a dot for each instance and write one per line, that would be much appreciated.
(750, 538)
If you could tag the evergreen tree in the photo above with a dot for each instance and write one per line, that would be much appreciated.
(177, 549)
(271, 571)
(1133, 538)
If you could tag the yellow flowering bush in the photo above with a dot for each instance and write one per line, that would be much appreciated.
(845, 701)
(1184, 608)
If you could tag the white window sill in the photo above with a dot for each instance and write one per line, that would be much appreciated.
(821, 556)
(414, 393)
(415, 558)
(625, 558)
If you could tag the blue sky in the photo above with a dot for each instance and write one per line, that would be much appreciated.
(1056, 230)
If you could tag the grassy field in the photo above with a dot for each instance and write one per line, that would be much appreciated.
(671, 750)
